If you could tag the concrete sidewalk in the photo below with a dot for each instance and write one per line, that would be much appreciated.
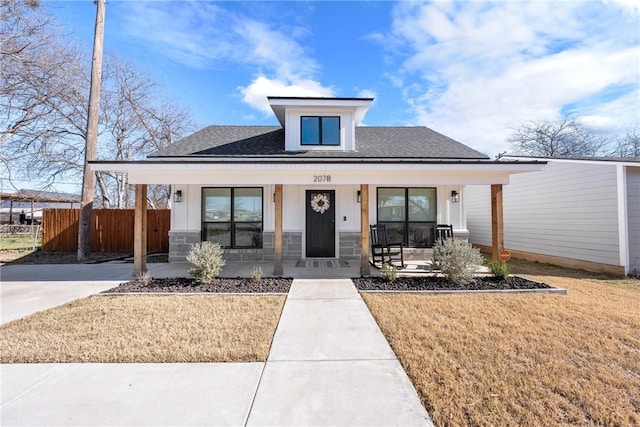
(329, 364)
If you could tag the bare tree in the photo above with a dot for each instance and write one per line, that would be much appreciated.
(566, 138)
(628, 145)
(43, 108)
(137, 122)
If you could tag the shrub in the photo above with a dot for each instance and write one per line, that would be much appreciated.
(256, 273)
(144, 277)
(207, 261)
(389, 272)
(499, 269)
(457, 260)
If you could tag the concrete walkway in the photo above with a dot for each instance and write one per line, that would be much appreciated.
(329, 365)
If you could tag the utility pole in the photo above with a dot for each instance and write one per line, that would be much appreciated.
(86, 203)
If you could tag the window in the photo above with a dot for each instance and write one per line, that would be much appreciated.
(232, 217)
(409, 215)
(323, 130)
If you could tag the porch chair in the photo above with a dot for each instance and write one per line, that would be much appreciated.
(443, 232)
(382, 249)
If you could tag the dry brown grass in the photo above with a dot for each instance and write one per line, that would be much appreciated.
(528, 359)
(137, 328)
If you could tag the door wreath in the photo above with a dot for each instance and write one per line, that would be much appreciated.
(320, 203)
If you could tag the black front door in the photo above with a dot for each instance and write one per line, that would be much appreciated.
(321, 223)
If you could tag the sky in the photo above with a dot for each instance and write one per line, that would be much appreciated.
(472, 70)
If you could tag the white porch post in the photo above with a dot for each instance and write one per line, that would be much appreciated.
(364, 230)
(277, 240)
(497, 229)
(140, 231)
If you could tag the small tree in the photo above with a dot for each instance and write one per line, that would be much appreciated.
(457, 260)
(628, 145)
(566, 138)
(207, 261)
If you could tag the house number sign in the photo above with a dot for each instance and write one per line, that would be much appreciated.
(321, 178)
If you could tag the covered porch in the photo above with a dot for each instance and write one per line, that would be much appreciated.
(283, 185)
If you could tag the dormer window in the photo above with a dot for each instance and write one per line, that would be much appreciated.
(320, 130)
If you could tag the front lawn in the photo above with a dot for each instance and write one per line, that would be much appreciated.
(523, 359)
(146, 328)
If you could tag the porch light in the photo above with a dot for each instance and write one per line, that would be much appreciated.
(177, 196)
(358, 196)
(455, 196)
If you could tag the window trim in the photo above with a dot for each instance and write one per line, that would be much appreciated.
(320, 137)
(232, 222)
(406, 222)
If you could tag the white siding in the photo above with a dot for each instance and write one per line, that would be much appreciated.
(476, 201)
(186, 216)
(633, 216)
(568, 210)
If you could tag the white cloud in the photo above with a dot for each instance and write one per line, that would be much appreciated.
(200, 35)
(366, 93)
(256, 93)
(480, 69)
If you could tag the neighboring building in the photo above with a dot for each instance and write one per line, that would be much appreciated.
(303, 189)
(27, 204)
(579, 212)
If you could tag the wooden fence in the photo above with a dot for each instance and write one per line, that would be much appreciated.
(111, 230)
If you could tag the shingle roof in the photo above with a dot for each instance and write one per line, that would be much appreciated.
(579, 158)
(268, 141)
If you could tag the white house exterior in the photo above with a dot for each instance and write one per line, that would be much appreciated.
(576, 212)
(310, 187)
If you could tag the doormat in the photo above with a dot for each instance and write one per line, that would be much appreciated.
(322, 263)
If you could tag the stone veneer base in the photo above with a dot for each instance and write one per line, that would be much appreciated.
(349, 245)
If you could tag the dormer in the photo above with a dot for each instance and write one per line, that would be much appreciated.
(327, 124)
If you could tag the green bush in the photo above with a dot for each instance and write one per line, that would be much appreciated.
(207, 261)
(499, 269)
(457, 260)
(389, 272)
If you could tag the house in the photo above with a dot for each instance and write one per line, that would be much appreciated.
(577, 212)
(310, 187)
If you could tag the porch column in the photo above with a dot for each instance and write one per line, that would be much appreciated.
(277, 239)
(364, 230)
(140, 231)
(497, 230)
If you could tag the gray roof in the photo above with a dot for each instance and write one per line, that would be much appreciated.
(268, 141)
(579, 158)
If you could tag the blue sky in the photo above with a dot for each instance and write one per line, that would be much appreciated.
(472, 70)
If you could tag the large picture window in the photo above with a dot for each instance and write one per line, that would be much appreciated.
(320, 130)
(409, 215)
(232, 217)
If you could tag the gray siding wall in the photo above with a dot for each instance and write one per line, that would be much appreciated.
(568, 210)
(633, 215)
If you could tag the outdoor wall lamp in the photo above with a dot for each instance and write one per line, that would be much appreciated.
(358, 196)
(455, 196)
(177, 196)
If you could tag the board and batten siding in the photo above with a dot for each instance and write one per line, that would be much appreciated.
(633, 207)
(568, 210)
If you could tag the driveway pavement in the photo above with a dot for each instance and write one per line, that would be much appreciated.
(329, 365)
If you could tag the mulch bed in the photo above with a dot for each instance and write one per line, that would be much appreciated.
(219, 285)
(282, 285)
(440, 284)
